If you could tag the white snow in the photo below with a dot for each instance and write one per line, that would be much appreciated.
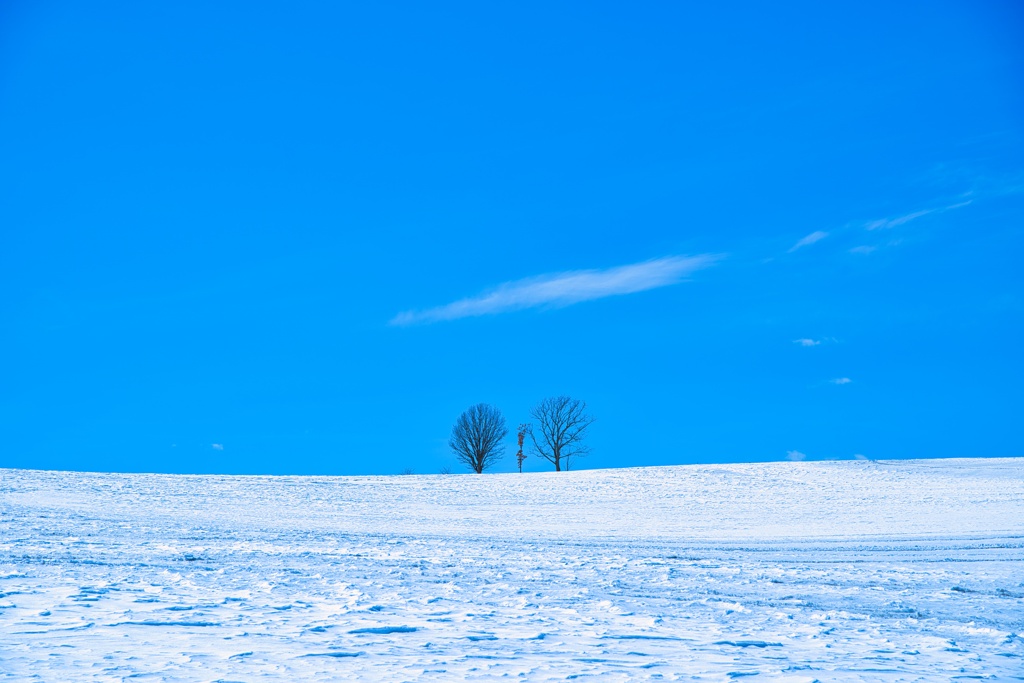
(797, 571)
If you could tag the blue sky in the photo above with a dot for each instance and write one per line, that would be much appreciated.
(303, 237)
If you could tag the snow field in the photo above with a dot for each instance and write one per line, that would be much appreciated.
(901, 571)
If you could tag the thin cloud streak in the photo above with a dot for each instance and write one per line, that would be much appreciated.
(884, 223)
(564, 289)
(815, 236)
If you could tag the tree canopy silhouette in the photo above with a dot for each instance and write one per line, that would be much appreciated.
(477, 437)
(562, 423)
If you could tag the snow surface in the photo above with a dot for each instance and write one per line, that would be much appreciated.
(831, 571)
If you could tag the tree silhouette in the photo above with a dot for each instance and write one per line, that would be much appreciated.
(477, 437)
(562, 422)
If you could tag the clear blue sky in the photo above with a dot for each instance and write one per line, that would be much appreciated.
(303, 237)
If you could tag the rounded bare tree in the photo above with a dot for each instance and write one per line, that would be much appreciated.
(562, 423)
(477, 437)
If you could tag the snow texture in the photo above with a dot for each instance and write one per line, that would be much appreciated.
(797, 571)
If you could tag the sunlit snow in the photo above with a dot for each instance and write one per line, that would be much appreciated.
(798, 571)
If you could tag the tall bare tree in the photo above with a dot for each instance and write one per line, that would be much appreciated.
(477, 437)
(562, 423)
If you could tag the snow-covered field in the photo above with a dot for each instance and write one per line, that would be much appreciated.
(875, 571)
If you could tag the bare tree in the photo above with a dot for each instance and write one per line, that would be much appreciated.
(477, 437)
(562, 422)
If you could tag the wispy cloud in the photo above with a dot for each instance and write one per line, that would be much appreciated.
(863, 249)
(808, 342)
(885, 223)
(795, 455)
(841, 380)
(815, 236)
(217, 446)
(564, 289)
